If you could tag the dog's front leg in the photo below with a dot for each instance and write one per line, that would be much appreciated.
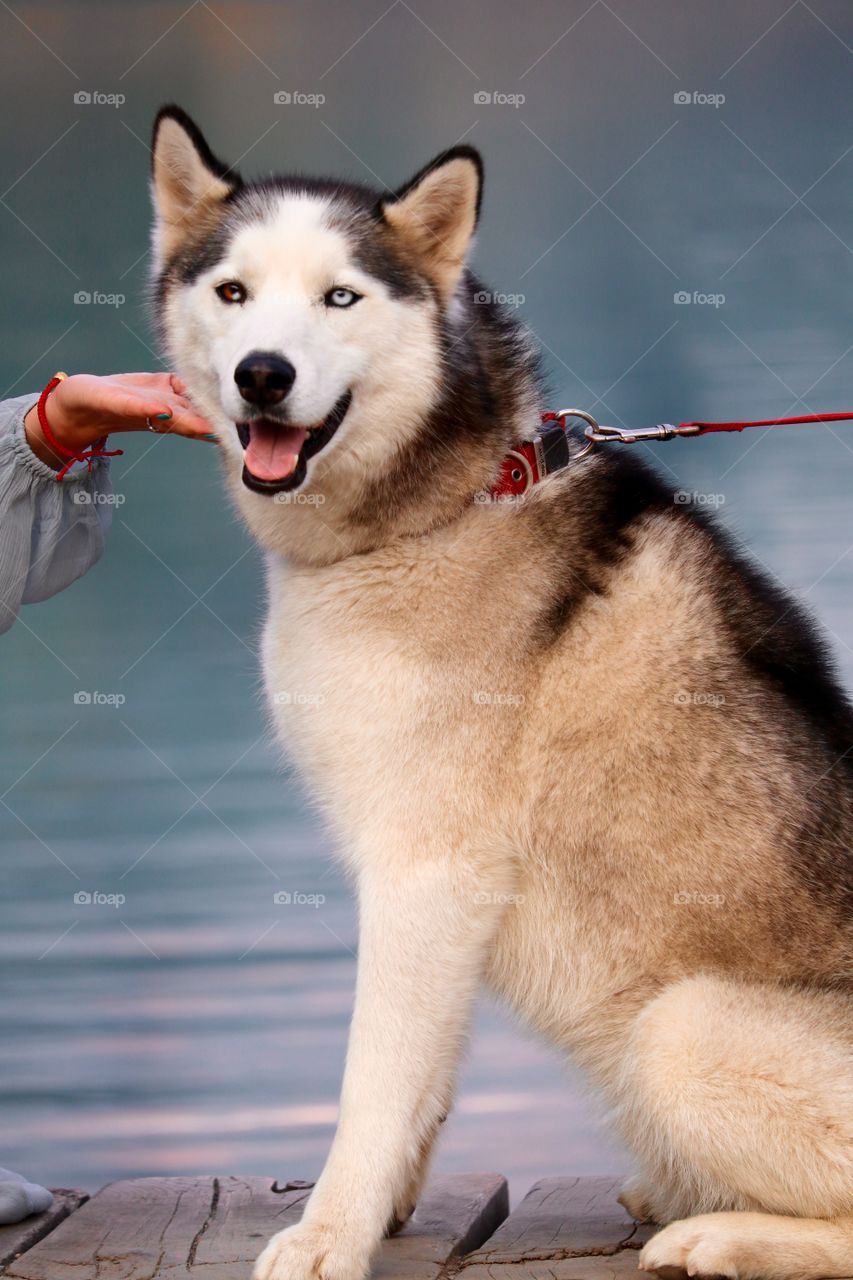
(424, 930)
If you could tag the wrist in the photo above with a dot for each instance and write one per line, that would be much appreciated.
(64, 431)
(38, 444)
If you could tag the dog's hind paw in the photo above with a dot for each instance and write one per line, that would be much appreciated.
(693, 1247)
(751, 1246)
(310, 1252)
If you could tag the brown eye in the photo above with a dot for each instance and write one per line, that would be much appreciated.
(231, 291)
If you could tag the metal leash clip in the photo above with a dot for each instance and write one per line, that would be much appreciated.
(598, 434)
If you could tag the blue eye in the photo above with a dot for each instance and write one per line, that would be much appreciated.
(341, 297)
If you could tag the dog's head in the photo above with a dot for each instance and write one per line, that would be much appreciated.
(315, 323)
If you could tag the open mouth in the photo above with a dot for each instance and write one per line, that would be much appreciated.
(277, 453)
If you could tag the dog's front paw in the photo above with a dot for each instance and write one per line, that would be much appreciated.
(707, 1245)
(311, 1252)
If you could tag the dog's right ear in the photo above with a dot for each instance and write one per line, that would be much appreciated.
(188, 183)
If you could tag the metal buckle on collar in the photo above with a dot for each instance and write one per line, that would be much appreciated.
(589, 431)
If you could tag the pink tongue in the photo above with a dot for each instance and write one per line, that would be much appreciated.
(272, 451)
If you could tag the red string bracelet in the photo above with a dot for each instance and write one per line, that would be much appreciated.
(97, 450)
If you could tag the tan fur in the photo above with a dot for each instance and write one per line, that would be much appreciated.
(548, 816)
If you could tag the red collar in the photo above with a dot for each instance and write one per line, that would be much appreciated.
(532, 460)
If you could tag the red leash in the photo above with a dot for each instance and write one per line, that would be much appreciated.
(548, 451)
(705, 427)
(97, 450)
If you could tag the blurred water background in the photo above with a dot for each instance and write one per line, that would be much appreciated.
(200, 1026)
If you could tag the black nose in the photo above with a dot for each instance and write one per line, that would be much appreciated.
(264, 378)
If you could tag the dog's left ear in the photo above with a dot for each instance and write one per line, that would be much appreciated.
(188, 183)
(436, 214)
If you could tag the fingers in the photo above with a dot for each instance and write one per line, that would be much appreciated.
(144, 381)
(167, 414)
(186, 422)
(163, 381)
(134, 410)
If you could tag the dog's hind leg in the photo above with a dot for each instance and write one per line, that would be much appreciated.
(637, 1199)
(738, 1100)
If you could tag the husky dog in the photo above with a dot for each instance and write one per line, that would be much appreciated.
(573, 746)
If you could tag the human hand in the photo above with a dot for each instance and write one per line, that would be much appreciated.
(85, 407)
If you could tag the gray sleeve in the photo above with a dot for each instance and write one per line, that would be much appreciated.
(51, 531)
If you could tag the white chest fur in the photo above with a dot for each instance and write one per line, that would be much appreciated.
(374, 709)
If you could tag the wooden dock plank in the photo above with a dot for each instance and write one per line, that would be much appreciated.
(564, 1229)
(165, 1228)
(575, 1216)
(618, 1266)
(17, 1237)
(457, 1213)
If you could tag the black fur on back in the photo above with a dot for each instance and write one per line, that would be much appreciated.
(768, 630)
